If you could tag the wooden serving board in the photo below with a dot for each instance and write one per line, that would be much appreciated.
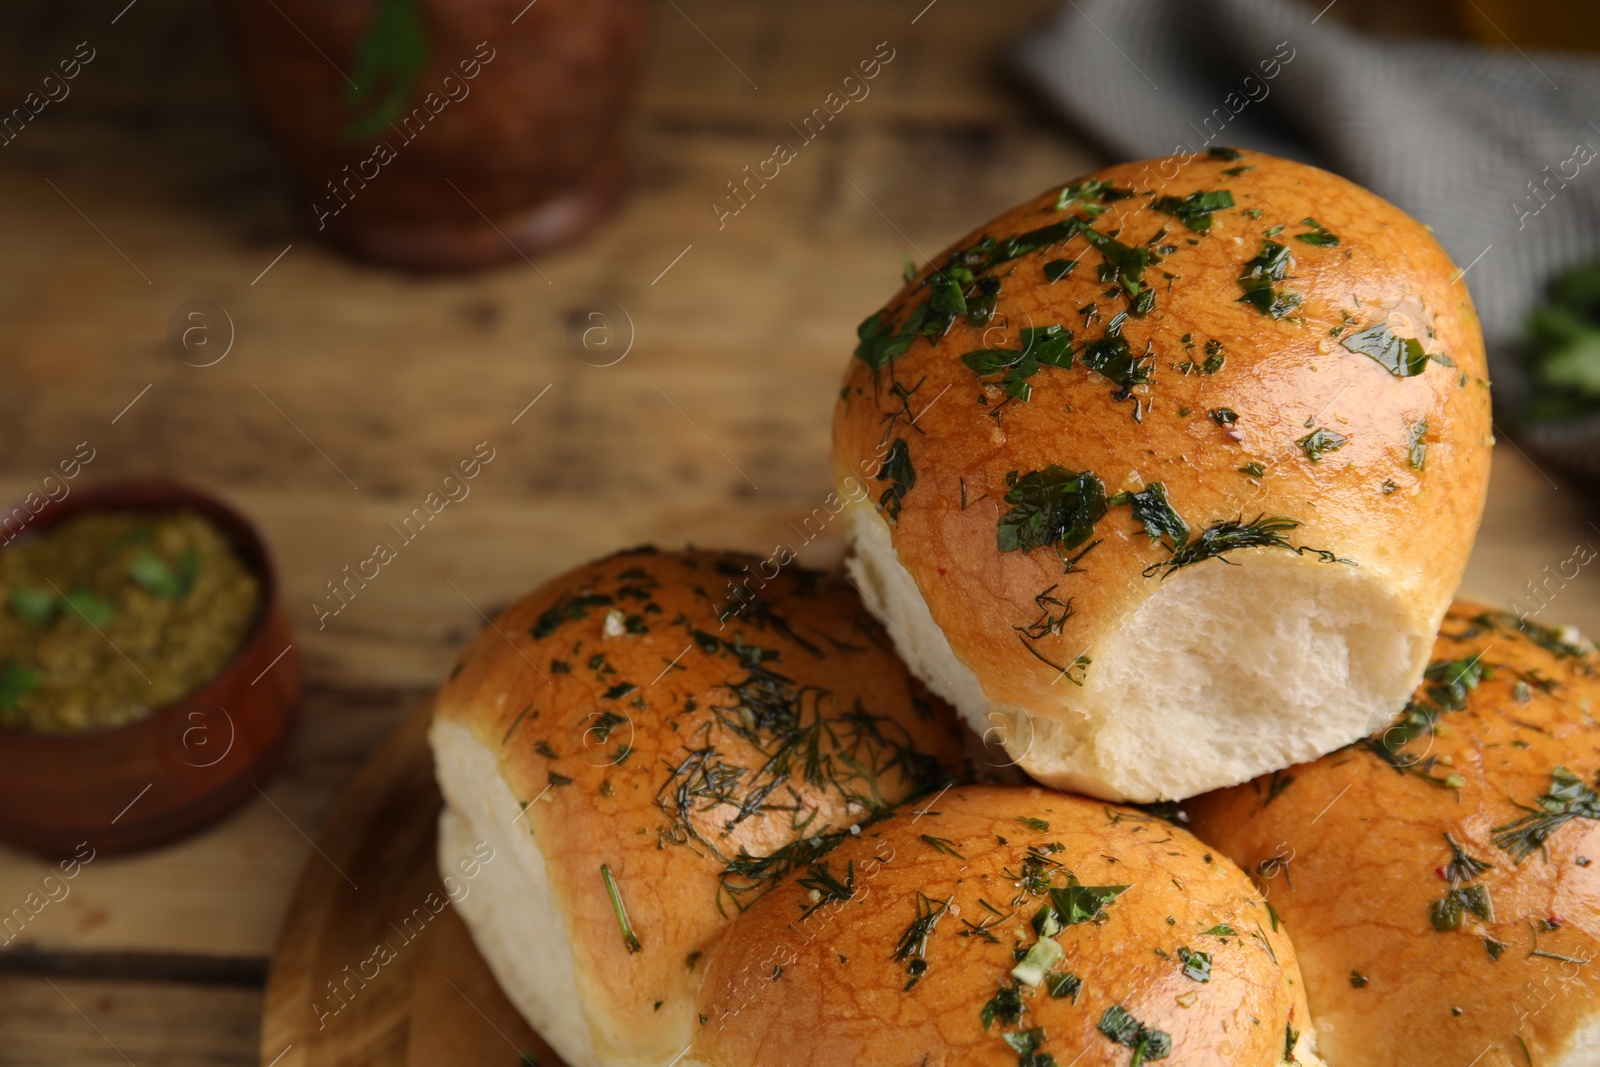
(405, 994)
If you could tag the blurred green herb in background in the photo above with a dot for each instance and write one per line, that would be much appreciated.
(1564, 355)
(389, 57)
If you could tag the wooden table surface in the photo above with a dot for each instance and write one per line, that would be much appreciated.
(349, 392)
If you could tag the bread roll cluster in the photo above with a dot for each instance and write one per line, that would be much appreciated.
(1161, 489)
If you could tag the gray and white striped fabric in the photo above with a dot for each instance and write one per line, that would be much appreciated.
(1497, 150)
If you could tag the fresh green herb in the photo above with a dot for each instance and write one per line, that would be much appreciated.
(167, 582)
(1358, 980)
(1112, 358)
(1026, 1044)
(1448, 912)
(881, 344)
(391, 54)
(1152, 511)
(565, 609)
(1057, 269)
(1213, 362)
(900, 475)
(1091, 195)
(1124, 264)
(1041, 956)
(1224, 416)
(1260, 277)
(621, 689)
(1062, 984)
(1462, 867)
(1280, 781)
(1567, 799)
(908, 267)
(1006, 1005)
(826, 886)
(1230, 535)
(1255, 470)
(1048, 346)
(629, 938)
(1417, 445)
(1053, 506)
(1034, 824)
(557, 780)
(1320, 441)
(913, 944)
(1291, 1038)
(1120, 1026)
(1317, 234)
(34, 606)
(1272, 231)
(604, 724)
(92, 608)
(1402, 357)
(939, 844)
(1220, 930)
(1232, 155)
(1074, 903)
(1194, 210)
(1196, 965)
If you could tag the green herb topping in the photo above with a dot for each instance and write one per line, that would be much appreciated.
(1259, 281)
(629, 938)
(1318, 234)
(1447, 913)
(1402, 357)
(901, 476)
(1152, 511)
(1053, 506)
(1230, 535)
(1567, 799)
(1196, 965)
(1320, 441)
(566, 609)
(1194, 210)
(1048, 346)
(1120, 1026)
(1417, 445)
(1112, 358)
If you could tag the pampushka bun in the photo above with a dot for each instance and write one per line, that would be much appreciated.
(1441, 880)
(648, 753)
(995, 925)
(1172, 470)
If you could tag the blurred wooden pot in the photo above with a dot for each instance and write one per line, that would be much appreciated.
(445, 133)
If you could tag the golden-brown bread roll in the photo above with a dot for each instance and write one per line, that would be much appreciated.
(647, 753)
(1442, 880)
(1004, 925)
(1166, 477)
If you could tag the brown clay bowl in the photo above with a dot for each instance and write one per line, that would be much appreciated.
(508, 143)
(186, 765)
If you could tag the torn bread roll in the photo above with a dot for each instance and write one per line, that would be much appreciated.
(1165, 478)
(1441, 880)
(652, 740)
(1001, 925)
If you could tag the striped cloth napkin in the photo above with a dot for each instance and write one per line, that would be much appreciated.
(1497, 150)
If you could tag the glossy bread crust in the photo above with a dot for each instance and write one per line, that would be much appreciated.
(819, 971)
(1410, 952)
(1378, 453)
(684, 740)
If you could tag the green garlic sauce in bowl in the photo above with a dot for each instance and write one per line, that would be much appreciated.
(109, 616)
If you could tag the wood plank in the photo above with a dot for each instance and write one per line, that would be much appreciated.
(87, 1023)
